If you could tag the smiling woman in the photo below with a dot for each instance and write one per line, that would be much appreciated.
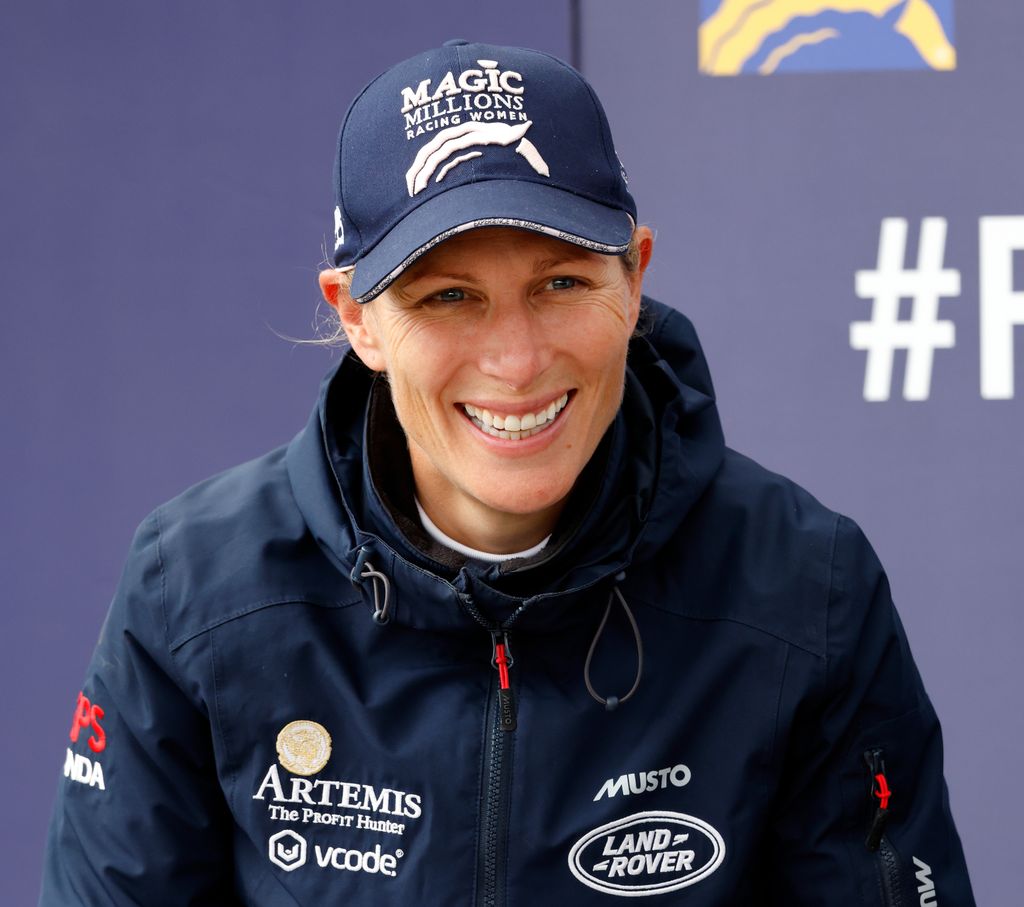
(506, 623)
(505, 353)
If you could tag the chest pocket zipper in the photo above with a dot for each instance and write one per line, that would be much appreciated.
(888, 860)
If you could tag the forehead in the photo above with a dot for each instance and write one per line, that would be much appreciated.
(514, 248)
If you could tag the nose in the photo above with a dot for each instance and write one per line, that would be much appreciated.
(514, 348)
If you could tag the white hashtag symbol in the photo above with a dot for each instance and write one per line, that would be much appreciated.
(923, 332)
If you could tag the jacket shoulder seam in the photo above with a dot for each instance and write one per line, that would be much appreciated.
(219, 724)
(732, 620)
(171, 649)
(222, 619)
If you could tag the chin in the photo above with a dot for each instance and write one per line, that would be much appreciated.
(528, 500)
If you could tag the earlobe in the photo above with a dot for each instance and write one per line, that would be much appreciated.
(361, 334)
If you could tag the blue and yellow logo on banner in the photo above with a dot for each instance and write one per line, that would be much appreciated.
(762, 37)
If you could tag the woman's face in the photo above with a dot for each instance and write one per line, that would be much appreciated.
(505, 351)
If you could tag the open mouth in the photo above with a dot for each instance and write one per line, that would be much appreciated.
(517, 428)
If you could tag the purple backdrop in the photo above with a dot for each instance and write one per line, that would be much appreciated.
(165, 197)
(768, 195)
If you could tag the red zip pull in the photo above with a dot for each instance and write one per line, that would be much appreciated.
(882, 791)
(502, 662)
(501, 658)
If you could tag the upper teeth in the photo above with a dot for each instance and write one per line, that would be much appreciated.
(515, 426)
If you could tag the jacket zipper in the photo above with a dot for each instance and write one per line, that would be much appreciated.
(491, 865)
(888, 859)
(502, 661)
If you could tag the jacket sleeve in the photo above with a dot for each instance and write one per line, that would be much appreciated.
(140, 817)
(842, 834)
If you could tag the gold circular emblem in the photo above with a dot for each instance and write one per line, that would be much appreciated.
(303, 747)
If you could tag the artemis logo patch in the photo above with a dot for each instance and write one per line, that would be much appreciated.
(303, 799)
(647, 853)
(476, 108)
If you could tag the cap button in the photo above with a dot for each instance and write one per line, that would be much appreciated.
(455, 42)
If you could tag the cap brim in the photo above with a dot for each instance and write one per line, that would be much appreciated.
(522, 204)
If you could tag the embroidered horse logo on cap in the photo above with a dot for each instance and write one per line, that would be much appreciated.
(467, 135)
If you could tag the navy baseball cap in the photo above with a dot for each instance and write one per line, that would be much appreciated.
(473, 135)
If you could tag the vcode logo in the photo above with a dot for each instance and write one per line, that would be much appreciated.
(287, 850)
(647, 853)
(739, 37)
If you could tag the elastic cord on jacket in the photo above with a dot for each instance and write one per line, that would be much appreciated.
(380, 611)
(613, 702)
(365, 570)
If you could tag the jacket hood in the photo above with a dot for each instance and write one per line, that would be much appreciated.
(656, 459)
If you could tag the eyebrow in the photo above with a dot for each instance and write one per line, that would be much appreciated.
(566, 259)
(571, 255)
(426, 273)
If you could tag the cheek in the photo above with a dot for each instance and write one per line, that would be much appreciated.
(421, 366)
(405, 350)
(600, 343)
(418, 344)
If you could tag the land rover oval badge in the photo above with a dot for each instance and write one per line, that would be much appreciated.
(647, 853)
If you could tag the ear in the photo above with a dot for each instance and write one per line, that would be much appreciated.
(645, 239)
(361, 331)
(645, 244)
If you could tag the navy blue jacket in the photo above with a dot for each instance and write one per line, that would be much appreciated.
(297, 698)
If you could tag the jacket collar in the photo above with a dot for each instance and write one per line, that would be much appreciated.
(661, 451)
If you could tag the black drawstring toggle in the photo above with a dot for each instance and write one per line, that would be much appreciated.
(613, 702)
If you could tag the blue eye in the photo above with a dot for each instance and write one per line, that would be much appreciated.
(452, 294)
(562, 283)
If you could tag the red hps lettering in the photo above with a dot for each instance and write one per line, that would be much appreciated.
(88, 715)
